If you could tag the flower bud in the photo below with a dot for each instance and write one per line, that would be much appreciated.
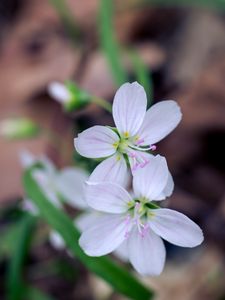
(19, 128)
(69, 95)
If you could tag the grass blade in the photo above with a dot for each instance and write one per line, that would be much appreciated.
(15, 284)
(109, 43)
(143, 75)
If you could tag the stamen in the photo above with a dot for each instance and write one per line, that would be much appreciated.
(140, 148)
(140, 141)
(139, 160)
(144, 230)
(153, 147)
(127, 223)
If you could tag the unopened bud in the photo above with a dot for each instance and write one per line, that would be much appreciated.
(19, 128)
(69, 95)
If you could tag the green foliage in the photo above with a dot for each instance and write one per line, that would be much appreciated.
(142, 75)
(8, 237)
(15, 283)
(104, 267)
(109, 43)
(68, 20)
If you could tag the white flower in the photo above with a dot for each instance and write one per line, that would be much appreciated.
(66, 184)
(136, 132)
(135, 224)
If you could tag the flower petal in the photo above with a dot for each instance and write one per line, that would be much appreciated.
(27, 159)
(107, 197)
(150, 181)
(29, 206)
(112, 169)
(45, 183)
(86, 220)
(129, 108)
(168, 190)
(96, 142)
(122, 252)
(105, 236)
(56, 240)
(70, 184)
(176, 228)
(159, 121)
(146, 253)
(59, 92)
(138, 159)
(47, 164)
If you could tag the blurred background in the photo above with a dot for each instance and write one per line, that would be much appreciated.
(177, 49)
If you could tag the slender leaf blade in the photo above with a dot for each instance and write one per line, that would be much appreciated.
(15, 284)
(143, 75)
(108, 42)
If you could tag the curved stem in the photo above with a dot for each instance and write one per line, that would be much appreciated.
(103, 103)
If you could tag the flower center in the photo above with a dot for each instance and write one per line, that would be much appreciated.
(131, 146)
(139, 212)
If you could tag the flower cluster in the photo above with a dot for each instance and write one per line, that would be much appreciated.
(132, 222)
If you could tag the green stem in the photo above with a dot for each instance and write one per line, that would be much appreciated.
(102, 103)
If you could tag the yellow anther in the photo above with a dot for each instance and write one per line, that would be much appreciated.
(151, 214)
(126, 134)
(130, 204)
(118, 157)
(116, 144)
(136, 138)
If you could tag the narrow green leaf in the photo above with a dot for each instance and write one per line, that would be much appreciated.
(104, 267)
(143, 75)
(68, 20)
(8, 236)
(15, 284)
(109, 43)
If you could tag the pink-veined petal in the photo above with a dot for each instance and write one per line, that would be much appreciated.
(176, 228)
(150, 181)
(86, 220)
(105, 236)
(96, 142)
(159, 121)
(113, 169)
(138, 160)
(107, 197)
(129, 108)
(146, 253)
(70, 184)
(122, 252)
(168, 190)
